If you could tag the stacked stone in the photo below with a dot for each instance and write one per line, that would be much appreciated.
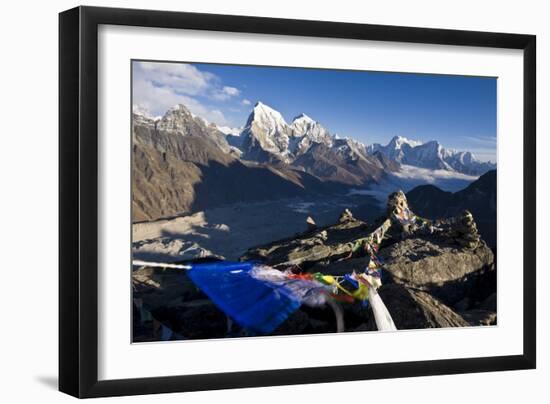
(397, 201)
(466, 231)
(345, 216)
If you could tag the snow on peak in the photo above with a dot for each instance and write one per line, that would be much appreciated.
(178, 107)
(267, 118)
(306, 131)
(398, 141)
(178, 118)
(430, 155)
(226, 130)
(203, 120)
(303, 118)
(264, 109)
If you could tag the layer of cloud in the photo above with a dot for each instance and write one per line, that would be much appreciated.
(246, 102)
(410, 177)
(159, 86)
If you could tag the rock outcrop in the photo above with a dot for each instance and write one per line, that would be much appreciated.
(479, 198)
(431, 278)
(448, 272)
(413, 309)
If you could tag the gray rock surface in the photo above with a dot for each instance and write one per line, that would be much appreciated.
(429, 281)
(415, 309)
(429, 264)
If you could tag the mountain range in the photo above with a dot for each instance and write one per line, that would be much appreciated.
(431, 155)
(267, 137)
(182, 162)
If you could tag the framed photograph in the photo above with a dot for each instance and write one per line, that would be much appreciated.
(251, 201)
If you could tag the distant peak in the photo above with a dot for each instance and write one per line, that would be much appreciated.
(398, 141)
(303, 117)
(179, 107)
(401, 139)
(266, 117)
(261, 106)
(261, 109)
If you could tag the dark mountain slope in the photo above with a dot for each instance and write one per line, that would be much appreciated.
(479, 198)
(175, 173)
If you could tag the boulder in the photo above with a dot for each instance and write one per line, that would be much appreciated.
(329, 243)
(196, 319)
(478, 317)
(432, 265)
(415, 309)
(169, 297)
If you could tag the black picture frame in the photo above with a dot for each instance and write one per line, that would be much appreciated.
(78, 201)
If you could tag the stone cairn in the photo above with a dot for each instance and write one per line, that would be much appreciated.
(465, 230)
(397, 204)
(346, 216)
(462, 229)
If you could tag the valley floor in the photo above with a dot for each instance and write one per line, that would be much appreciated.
(231, 230)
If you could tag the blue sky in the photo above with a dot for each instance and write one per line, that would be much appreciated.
(458, 111)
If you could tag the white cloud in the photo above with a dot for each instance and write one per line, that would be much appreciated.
(159, 86)
(410, 177)
(225, 93)
(180, 77)
(158, 100)
(246, 102)
(232, 91)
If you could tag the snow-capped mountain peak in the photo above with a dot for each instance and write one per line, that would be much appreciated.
(396, 149)
(179, 119)
(268, 138)
(302, 123)
(430, 155)
(267, 118)
(265, 136)
(398, 141)
(303, 118)
(307, 131)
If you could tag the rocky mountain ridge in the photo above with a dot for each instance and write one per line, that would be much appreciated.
(181, 163)
(268, 138)
(430, 279)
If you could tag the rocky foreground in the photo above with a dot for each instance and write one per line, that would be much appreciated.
(440, 274)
